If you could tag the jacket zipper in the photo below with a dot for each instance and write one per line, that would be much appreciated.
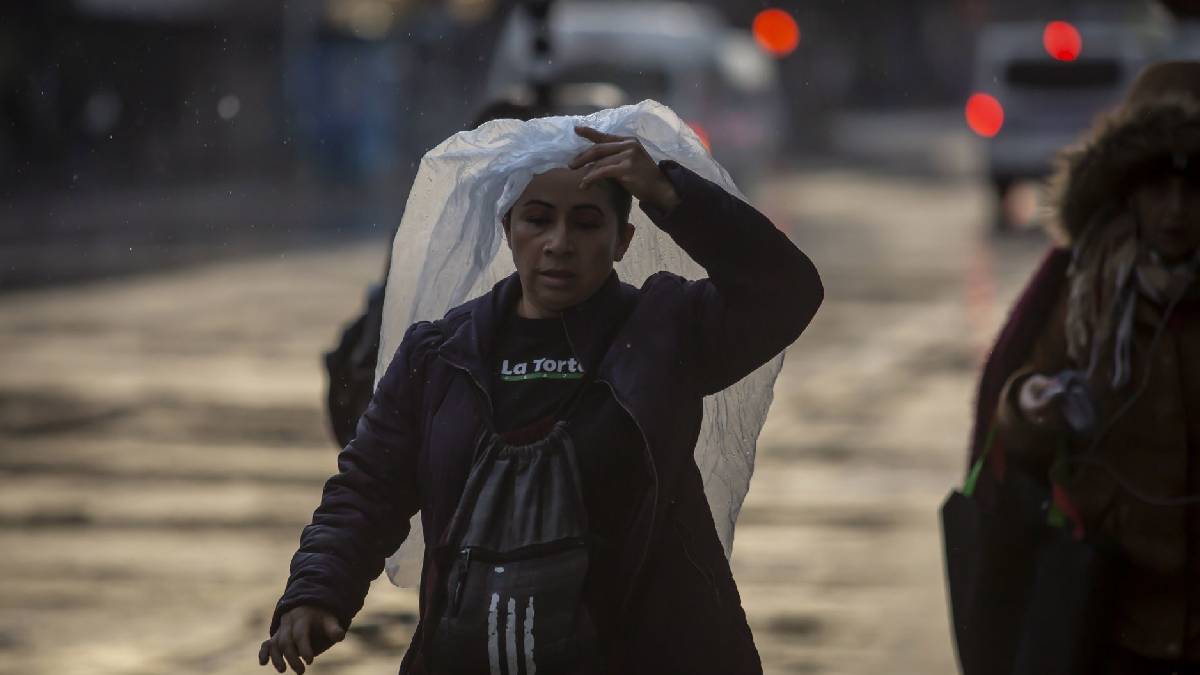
(649, 462)
(456, 601)
(465, 554)
(527, 552)
(487, 399)
(654, 492)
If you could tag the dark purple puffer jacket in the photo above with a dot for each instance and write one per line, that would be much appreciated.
(661, 349)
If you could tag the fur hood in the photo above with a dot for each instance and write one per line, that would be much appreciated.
(1159, 118)
(1093, 178)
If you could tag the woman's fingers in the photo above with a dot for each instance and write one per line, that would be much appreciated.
(292, 657)
(625, 160)
(333, 629)
(276, 654)
(609, 167)
(1044, 389)
(300, 637)
(272, 646)
(597, 136)
(1037, 396)
(603, 146)
(292, 643)
(598, 152)
(1031, 393)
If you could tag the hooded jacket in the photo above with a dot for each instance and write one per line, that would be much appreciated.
(660, 348)
(1153, 444)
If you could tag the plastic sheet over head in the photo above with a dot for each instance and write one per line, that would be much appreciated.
(450, 248)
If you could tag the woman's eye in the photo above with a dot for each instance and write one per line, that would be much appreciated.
(589, 224)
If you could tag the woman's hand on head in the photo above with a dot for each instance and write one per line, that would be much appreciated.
(299, 630)
(624, 160)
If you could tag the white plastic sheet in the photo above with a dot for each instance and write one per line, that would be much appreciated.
(449, 249)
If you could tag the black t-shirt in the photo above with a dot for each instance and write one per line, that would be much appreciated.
(535, 373)
(536, 380)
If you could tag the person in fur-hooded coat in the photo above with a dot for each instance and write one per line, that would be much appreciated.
(1100, 362)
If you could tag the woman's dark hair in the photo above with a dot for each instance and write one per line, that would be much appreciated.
(622, 201)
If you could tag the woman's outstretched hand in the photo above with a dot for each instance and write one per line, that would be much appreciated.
(624, 160)
(299, 630)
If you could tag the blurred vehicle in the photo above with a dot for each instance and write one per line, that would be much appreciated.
(605, 54)
(1048, 81)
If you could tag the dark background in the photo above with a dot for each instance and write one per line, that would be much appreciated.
(138, 134)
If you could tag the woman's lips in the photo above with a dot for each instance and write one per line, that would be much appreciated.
(557, 278)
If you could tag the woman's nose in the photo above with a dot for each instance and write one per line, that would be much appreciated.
(559, 242)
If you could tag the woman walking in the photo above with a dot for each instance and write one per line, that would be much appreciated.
(547, 431)
(1095, 382)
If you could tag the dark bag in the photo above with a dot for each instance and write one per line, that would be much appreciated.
(351, 369)
(1028, 592)
(519, 552)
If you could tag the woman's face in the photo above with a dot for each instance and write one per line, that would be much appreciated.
(564, 241)
(1168, 208)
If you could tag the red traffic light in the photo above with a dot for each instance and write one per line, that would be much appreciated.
(1062, 41)
(985, 115)
(776, 32)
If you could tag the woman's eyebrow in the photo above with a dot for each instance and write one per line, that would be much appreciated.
(593, 207)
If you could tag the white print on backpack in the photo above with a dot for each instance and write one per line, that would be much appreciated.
(511, 635)
(530, 668)
(493, 635)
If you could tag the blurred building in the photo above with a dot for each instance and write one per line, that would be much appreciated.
(133, 129)
(127, 91)
(148, 90)
(245, 117)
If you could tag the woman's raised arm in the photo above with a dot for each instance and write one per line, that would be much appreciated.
(761, 291)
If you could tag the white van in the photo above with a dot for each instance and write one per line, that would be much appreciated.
(1048, 103)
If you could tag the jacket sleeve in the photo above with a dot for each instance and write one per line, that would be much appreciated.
(1029, 445)
(761, 291)
(365, 508)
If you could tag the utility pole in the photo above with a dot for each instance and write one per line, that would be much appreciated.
(539, 13)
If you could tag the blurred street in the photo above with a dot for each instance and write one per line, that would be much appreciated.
(162, 442)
